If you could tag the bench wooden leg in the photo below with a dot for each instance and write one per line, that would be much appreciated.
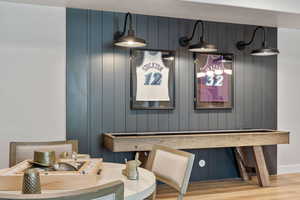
(240, 158)
(261, 167)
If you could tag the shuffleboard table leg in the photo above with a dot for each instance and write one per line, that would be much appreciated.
(240, 158)
(261, 167)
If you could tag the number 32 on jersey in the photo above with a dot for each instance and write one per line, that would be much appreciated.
(214, 80)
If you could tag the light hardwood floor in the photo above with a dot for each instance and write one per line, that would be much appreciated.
(283, 187)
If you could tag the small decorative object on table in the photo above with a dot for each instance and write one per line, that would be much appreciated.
(31, 182)
(44, 158)
(131, 170)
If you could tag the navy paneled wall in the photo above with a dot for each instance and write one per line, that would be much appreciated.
(98, 86)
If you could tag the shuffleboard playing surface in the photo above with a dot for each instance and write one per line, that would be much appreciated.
(126, 142)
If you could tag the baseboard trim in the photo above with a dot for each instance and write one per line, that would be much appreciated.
(289, 169)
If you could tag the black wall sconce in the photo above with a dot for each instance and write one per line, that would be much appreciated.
(130, 40)
(264, 50)
(202, 45)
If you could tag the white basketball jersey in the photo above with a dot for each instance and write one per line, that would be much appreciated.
(152, 78)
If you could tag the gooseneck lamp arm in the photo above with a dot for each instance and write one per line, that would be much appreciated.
(241, 45)
(195, 27)
(184, 41)
(128, 40)
(125, 24)
(120, 34)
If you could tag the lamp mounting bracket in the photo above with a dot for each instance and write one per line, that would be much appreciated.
(117, 35)
(241, 45)
(184, 41)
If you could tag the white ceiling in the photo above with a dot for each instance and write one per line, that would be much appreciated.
(288, 6)
(277, 13)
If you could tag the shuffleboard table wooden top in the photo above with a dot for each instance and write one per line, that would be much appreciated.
(129, 142)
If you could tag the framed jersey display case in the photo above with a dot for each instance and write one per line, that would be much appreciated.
(214, 81)
(152, 79)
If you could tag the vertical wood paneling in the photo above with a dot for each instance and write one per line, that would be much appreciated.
(173, 45)
(153, 44)
(98, 86)
(131, 115)
(142, 31)
(120, 60)
(211, 35)
(248, 81)
(255, 89)
(77, 77)
(185, 27)
(108, 84)
(194, 122)
(231, 34)
(119, 80)
(238, 79)
(95, 82)
(270, 113)
(222, 116)
(163, 43)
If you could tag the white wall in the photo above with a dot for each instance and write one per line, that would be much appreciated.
(32, 74)
(289, 98)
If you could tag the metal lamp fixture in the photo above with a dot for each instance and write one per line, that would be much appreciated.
(264, 50)
(202, 45)
(130, 40)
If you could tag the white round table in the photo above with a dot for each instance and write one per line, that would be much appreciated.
(133, 189)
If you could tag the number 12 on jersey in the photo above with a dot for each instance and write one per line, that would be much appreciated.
(153, 78)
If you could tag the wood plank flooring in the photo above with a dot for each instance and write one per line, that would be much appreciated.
(283, 187)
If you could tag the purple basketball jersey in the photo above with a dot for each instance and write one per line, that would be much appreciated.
(213, 87)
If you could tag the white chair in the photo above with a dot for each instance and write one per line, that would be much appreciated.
(172, 167)
(110, 191)
(20, 151)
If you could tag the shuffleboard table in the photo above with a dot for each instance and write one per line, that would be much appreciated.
(253, 138)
